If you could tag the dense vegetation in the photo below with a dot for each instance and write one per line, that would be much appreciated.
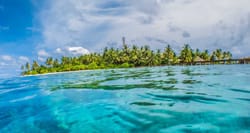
(124, 58)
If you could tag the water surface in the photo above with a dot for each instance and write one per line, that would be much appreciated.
(177, 99)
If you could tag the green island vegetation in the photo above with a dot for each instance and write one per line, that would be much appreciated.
(126, 57)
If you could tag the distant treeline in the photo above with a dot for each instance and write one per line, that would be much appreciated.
(124, 58)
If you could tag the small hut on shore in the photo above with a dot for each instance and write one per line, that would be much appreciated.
(198, 60)
(245, 60)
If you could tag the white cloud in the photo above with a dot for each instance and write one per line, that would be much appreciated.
(13, 60)
(43, 53)
(10, 64)
(42, 59)
(6, 57)
(78, 50)
(94, 23)
(61, 51)
(58, 50)
(71, 51)
(23, 58)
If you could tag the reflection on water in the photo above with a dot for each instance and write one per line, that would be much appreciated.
(157, 99)
(190, 81)
(143, 103)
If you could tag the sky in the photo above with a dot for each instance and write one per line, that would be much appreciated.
(35, 29)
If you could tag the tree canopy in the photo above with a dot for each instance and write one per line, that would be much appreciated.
(124, 58)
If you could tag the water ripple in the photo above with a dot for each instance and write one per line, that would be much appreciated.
(188, 98)
(158, 99)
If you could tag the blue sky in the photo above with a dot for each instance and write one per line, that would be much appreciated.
(17, 17)
(35, 29)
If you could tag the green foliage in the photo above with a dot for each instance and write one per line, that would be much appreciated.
(125, 65)
(186, 54)
(205, 55)
(35, 66)
(49, 61)
(125, 57)
(27, 66)
(92, 65)
(168, 56)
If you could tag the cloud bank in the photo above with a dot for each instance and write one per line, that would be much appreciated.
(94, 24)
(71, 51)
(76, 27)
(11, 65)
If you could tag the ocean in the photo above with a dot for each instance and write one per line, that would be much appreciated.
(170, 99)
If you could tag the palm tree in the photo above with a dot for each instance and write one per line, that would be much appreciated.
(213, 57)
(125, 49)
(168, 55)
(56, 63)
(227, 55)
(151, 61)
(218, 54)
(196, 54)
(49, 61)
(27, 65)
(125, 54)
(205, 55)
(65, 60)
(146, 54)
(35, 65)
(133, 54)
(125, 57)
(186, 54)
(75, 61)
(158, 57)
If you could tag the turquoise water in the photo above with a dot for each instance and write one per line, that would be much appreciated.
(175, 99)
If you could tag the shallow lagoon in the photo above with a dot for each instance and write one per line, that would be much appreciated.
(178, 99)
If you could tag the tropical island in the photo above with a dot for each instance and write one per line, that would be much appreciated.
(127, 57)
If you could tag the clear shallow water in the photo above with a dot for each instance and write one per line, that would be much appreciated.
(159, 99)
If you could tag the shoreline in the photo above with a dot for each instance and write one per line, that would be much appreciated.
(53, 73)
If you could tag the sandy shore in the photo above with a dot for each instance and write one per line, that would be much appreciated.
(59, 73)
